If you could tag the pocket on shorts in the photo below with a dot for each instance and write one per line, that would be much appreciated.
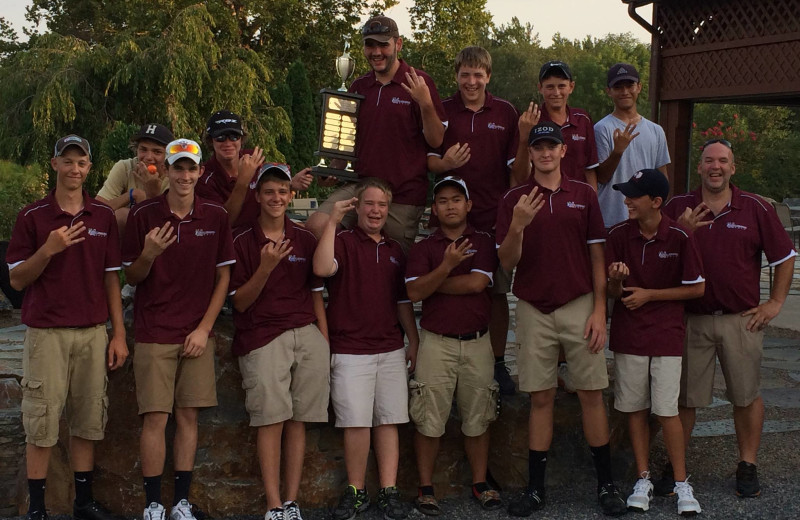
(492, 402)
(417, 401)
(34, 417)
(250, 399)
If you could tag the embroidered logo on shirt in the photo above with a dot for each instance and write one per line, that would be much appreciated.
(203, 232)
(575, 205)
(576, 137)
(471, 251)
(94, 233)
(664, 254)
(733, 225)
(394, 260)
(495, 126)
(397, 101)
(295, 258)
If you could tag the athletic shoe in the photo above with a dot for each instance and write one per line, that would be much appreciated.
(503, 378)
(529, 501)
(291, 510)
(665, 485)
(36, 515)
(275, 514)
(687, 504)
(747, 480)
(93, 510)
(642, 494)
(390, 503)
(182, 511)
(154, 511)
(351, 503)
(611, 501)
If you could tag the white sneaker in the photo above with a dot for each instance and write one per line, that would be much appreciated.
(154, 511)
(291, 511)
(642, 494)
(182, 511)
(687, 504)
(275, 514)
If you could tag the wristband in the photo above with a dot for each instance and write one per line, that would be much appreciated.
(130, 196)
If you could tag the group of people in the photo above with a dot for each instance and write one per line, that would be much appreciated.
(579, 212)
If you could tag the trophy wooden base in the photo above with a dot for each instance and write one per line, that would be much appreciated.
(342, 175)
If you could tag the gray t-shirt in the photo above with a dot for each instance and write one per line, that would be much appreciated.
(647, 150)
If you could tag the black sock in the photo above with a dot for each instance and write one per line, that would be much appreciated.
(83, 487)
(537, 464)
(183, 479)
(500, 359)
(152, 490)
(602, 463)
(426, 490)
(36, 492)
(480, 487)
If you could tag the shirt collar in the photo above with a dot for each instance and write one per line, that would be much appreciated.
(546, 116)
(196, 212)
(487, 103)
(438, 234)
(58, 210)
(661, 233)
(363, 236)
(289, 231)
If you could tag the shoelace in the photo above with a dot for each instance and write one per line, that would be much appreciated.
(684, 489)
(642, 486)
(185, 510)
(291, 511)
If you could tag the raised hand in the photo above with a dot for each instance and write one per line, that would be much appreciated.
(417, 88)
(272, 253)
(340, 209)
(527, 207)
(693, 218)
(624, 137)
(157, 240)
(636, 297)
(618, 271)
(456, 156)
(63, 237)
(249, 163)
(527, 120)
(302, 180)
(455, 254)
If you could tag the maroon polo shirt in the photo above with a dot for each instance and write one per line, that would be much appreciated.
(578, 132)
(364, 293)
(554, 268)
(493, 136)
(389, 143)
(450, 313)
(70, 292)
(285, 302)
(171, 301)
(731, 249)
(216, 185)
(669, 259)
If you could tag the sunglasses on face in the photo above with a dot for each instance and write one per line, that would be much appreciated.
(184, 147)
(227, 137)
(375, 28)
(723, 142)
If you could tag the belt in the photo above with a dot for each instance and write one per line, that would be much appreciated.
(467, 337)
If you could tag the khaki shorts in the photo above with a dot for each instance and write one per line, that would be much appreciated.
(739, 351)
(541, 336)
(644, 382)
(369, 389)
(64, 367)
(401, 225)
(289, 378)
(165, 380)
(501, 281)
(447, 366)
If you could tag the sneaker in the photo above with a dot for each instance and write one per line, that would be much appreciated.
(390, 503)
(611, 501)
(529, 501)
(665, 486)
(93, 510)
(747, 480)
(275, 514)
(351, 503)
(154, 511)
(291, 511)
(503, 378)
(182, 511)
(642, 494)
(36, 515)
(687, 504)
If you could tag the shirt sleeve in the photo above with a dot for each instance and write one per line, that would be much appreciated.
(692, 262)
(597, 230)
(775, 241)
(117, 181)
(242, 270)
(504, 214)
(485, 259)
(591, 157)
(133, 241)
(417, 263)
(613, 251)
(437, 102)
(225, 253)
(662, 154)
(402, 295)
(603, 142)
(23, 241)
(513, 141)
(113, 254)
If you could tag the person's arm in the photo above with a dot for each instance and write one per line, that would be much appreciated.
(521, 168)
(663, 169)
(595, 330)
(432, 126)
(617, 273)
(591, 177)
(471, 283)
(324, 263)
(302, 180)
(405, 315)
(526, 208)
(117, 347)
(271, 255)
(621, 139)
(420, 288)
(195, 343)
(27, 272)
(248, 164)
(455, 157)
(762, 314)
(156, 242)
(639, 296)
(319, 312)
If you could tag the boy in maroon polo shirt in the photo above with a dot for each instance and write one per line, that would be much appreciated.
(280, 329)
(551, 230)
(369, 381)
(481, 123)
(178, 252)
(64, 250)
(653, 266)
(732, 228)
(450, 271)
(401, 116)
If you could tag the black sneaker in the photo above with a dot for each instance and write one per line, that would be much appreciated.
(36, 515)
(611, 502)
(747, 480)
(391, 505)
(91, 511)
(351, 503)
(503, 378)
(665, 485)
(529, 501)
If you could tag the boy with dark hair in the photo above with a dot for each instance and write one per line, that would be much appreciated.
(178, 252)
(64, 251)
(280, 337)
(653, 265)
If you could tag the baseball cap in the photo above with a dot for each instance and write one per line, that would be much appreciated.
(181, 148)
(72, 140)
(451, 180)
(645, 182)
(278, 169)
(224, 122)
(557, 67)
(154, 132)
(380, 28)
(545, 132)
(622, 72)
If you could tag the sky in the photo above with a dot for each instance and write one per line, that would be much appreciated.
(574, 19)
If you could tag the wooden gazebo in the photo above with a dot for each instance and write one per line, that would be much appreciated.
(728, 51)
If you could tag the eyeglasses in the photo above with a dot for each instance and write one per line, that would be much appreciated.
(375, 28)
(184, 147)
(723, 142)
(227, 137)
